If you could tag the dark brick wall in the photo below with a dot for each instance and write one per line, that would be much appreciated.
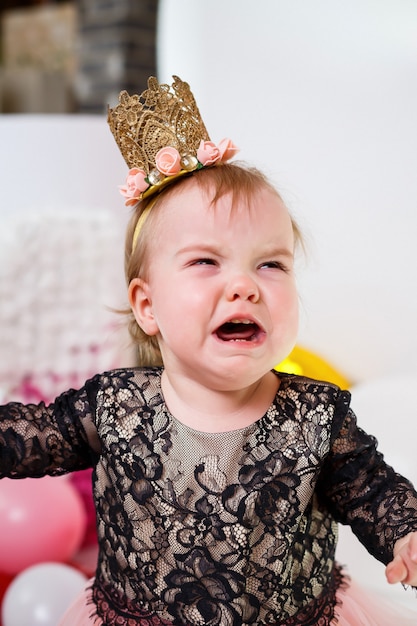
(116, 50)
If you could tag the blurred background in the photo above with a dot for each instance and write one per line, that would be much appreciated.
(68, 56)
(320, 95)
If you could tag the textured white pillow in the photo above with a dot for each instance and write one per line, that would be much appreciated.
(60, 273)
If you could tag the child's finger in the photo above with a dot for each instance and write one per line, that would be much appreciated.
(403, 568)
(396, 571)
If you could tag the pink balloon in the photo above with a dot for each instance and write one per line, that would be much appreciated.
(41, 519)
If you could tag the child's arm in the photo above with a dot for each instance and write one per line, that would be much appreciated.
(48, 439)
(403, 567)
(361, 490)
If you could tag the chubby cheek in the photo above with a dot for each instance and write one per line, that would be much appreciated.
(178, 314)
(286, 315)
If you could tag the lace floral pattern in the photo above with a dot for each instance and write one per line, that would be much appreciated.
(225, 529)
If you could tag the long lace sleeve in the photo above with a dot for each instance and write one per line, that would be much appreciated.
(49, 439)
(363, 491)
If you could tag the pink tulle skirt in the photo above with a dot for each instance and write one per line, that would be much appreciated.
(358, 607)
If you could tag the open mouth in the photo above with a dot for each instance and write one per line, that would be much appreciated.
(239, 330)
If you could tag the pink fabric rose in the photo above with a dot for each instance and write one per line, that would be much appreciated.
(168, 161)
(135, 186)
(227, 149)
(208, 153)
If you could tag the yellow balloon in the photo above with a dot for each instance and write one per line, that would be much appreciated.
(306, 363)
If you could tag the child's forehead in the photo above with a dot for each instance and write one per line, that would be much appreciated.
(207, 200)
(194, 212)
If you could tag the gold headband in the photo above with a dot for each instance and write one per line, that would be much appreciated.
(139, 224)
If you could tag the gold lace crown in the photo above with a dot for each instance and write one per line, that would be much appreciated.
(161, 136)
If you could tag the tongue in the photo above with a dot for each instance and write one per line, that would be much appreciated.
(235, 332)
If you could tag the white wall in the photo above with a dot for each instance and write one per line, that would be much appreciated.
(323, 96)
(59, 162)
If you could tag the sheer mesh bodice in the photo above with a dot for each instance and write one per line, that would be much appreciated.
(215, 529)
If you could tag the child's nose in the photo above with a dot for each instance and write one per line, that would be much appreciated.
(242, 286)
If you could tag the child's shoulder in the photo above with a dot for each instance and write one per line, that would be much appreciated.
(125, 377)
(310, 399)
(307, 387)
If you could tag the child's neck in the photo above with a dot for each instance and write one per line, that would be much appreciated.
(209, 410)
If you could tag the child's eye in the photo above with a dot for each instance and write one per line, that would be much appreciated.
(275, 265)
(204, 261)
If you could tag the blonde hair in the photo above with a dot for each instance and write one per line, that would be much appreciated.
(241, 181)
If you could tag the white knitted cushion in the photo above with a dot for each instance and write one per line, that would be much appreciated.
(59, 275)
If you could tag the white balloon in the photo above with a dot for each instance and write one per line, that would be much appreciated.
(40, 595)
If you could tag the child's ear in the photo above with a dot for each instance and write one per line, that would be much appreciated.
(141, 303)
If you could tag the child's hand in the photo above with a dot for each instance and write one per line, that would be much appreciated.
(403, 567)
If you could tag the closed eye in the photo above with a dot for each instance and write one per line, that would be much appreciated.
(275, 265)
(203, 261)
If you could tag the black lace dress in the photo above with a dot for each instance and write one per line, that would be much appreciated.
(224, 529)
